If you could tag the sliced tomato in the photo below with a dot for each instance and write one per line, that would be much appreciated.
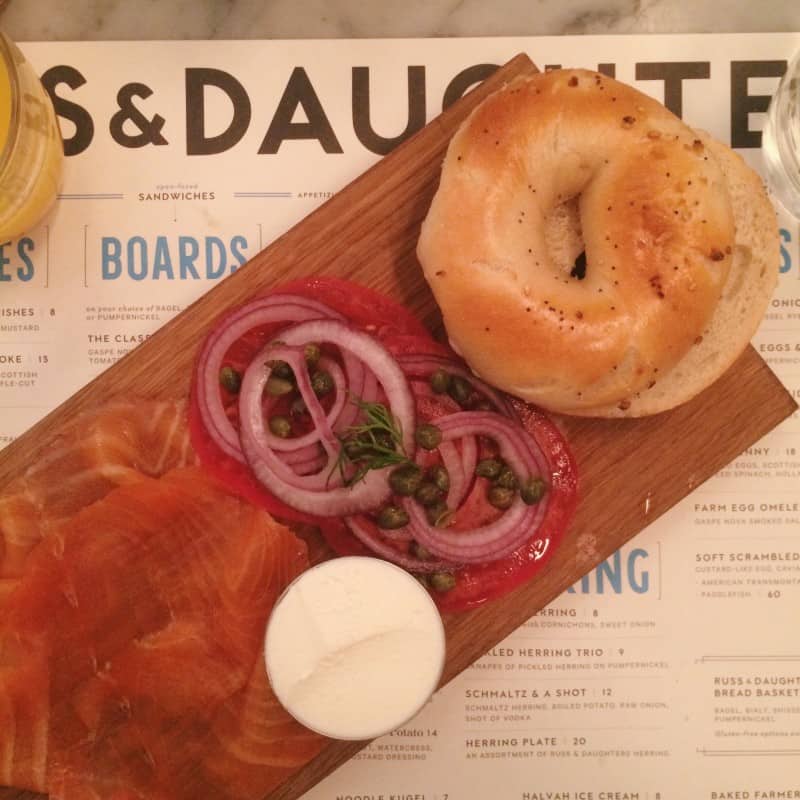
(338, 537)
(403, 334)
(365, 308)
(478, 584)
(400, 344)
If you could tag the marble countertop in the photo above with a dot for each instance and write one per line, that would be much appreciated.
(47, 20)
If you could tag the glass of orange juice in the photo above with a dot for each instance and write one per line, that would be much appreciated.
(31, 149)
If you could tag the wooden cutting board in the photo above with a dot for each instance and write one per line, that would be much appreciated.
(631, 471)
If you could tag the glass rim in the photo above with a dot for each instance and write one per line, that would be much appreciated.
(13, 123)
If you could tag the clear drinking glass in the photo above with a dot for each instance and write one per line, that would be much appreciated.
(31, 149)
(781, 139)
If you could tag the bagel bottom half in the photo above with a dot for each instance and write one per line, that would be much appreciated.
(746, 294)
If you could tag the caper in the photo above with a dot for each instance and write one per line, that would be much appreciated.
(321, 383)
(443, 581)
(438, 514)
(507, 479)
(405, 480)
(489, 468)
(277, 387)
(420, 552)
(280, 426)
(428, 436)
(461, 391)
(500, 497)
(230, 380)
(532, 491)
(439, 381)
(312, 354)
(280, 369)
(392, 517)
(428, 494)
(440, 476)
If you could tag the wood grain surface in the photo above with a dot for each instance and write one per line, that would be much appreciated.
(631, 471)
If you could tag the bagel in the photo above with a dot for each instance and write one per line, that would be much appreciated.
(680, 240)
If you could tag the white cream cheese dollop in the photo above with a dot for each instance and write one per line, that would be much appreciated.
(354, 648)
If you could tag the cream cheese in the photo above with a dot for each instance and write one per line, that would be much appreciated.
(354, 648)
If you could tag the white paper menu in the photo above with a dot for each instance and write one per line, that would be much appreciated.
(672, 670)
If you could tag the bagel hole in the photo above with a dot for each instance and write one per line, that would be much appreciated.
(579, 270)
(563, 235)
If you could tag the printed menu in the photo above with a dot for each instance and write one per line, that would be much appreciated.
(670, 671)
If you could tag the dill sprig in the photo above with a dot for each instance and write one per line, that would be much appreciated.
(374, 444)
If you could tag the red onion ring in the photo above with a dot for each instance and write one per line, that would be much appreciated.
(517, 524)
(357, 377)
(323, 432)
(361, 530)
(451, 461)
(469, 460)
(371, 392)
(303, 454)
(312, 437)
(460, 467)
(310, 465)
(382, 368)
(252, 389)
(263, 311)
(313, 494)
(478, 545)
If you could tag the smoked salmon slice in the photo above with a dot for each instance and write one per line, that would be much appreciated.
(141, 620)
(24, 712)
(257, 745)
(126, 440)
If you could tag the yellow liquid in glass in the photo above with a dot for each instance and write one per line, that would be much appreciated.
(31, 150)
